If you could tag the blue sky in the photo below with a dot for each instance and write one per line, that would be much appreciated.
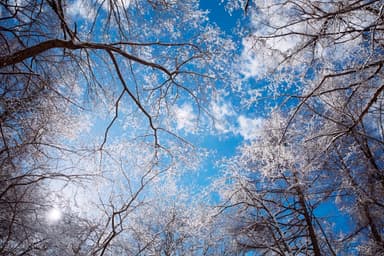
(234, 126)
(222, 144)
(220, 16)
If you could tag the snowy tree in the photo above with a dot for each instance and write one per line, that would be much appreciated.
(318, 158)
(133, 63)
(274, 190)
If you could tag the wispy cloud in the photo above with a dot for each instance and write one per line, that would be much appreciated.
(185, 117)
(221, 112)
(249, 128)
(82, 8)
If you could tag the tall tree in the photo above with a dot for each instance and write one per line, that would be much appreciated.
(132, 62)
(323, 152)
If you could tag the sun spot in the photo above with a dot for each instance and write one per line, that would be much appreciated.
(54, 215)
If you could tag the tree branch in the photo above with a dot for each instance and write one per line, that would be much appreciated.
(35, 50)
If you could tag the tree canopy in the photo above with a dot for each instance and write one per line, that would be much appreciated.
(105, 103)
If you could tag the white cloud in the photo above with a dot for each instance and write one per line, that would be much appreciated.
(249, 128)
(83, 8)
(259, 57)
(250, 64)
(221, 112)
(279, 32)
(268, 47)
(185, 117)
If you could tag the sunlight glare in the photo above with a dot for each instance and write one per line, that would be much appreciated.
(54, 215)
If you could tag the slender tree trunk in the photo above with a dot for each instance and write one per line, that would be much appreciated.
(308, 219)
